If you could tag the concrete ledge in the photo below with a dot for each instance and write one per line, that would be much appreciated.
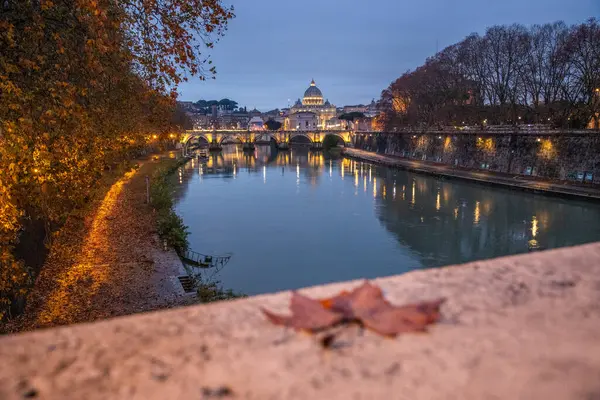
(523, 327)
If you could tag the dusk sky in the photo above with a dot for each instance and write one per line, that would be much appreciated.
(353, 49)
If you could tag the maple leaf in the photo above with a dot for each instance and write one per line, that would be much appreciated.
(307, 314)
(366, 305)
(360, 302)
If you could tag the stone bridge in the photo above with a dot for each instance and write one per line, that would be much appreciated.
(216, 138)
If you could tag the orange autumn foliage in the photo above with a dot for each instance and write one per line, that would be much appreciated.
(82, 85)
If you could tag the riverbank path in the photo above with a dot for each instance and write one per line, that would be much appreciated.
(109, 264)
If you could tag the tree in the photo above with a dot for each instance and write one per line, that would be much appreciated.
(582, 52)
(201, 104)
(166, 38)
(351, 116)
(273, 125)
(228, 104)
(83, 84)
(180, 120)
(511, 74)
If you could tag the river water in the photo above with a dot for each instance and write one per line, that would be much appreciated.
(298, 218)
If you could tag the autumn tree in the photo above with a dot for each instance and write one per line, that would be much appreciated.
(84, 84)
(545, 73)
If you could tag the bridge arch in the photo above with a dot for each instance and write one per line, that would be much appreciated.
(196, 141)
(301, 135)
(231, 139)
(269, 135)
(338, 136)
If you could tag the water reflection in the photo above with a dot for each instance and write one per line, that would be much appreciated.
(292, 220)
(477, 214)
(503, 222)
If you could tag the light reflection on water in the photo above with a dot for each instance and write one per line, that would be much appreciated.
(292, 220)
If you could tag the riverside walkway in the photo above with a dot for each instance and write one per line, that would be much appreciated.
(108, 262)
(486, 177)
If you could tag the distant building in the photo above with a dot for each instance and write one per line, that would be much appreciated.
(271, 114)
(254, 113)
(370, 110)
(302, 121)
(256, 124)
(336, 124)
(200, 121)
(240, 119)
(223, 111)
(233, 120)
(360, 108)
(312, 112)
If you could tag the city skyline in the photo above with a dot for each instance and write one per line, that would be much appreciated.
(352, 54)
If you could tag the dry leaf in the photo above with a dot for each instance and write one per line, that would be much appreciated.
(365, 305)
(364, 300)
(307, 314)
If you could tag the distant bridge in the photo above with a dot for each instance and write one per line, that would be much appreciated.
(216, 138)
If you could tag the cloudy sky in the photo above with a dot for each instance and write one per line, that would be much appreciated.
(353, 49)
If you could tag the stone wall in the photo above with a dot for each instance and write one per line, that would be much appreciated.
(523, 327)
(560, 155)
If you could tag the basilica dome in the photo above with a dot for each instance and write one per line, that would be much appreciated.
(313, 95)
(312, 112)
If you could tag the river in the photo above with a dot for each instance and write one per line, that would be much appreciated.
(297, 218)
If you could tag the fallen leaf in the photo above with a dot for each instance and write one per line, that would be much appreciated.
(391, 321)
(364, 300)
(366, 305)
(307, 314)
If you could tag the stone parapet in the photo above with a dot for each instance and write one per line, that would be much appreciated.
(522, 327)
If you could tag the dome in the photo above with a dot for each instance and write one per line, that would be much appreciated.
(313, 95)
(313, 91)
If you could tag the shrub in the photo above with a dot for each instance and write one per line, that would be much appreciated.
(172, 229)
(170, 226)
(210, 292)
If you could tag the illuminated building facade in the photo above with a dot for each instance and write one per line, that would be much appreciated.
(312, 112)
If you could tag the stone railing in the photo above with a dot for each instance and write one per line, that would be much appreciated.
(523, 327)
